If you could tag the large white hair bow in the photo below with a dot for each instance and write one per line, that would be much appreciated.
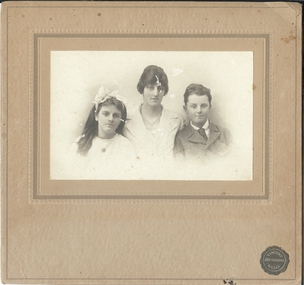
(103, 94)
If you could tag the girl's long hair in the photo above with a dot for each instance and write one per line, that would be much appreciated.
(90, 130)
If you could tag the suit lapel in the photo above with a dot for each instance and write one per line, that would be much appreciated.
(194, 136)
(214, 133)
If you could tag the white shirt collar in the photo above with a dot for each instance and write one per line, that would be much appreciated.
(205, 126)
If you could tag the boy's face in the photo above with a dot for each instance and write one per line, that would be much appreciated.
(197, 109)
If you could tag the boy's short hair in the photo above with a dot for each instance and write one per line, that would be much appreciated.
(149, 77)
(197, 89)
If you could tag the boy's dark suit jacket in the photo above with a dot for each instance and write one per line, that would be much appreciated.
(190, 144)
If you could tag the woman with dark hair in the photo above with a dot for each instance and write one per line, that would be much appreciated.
(151, 127)
(102, 150)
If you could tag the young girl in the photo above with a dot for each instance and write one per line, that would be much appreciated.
(102, 152)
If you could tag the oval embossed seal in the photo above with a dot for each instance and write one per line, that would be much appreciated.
(274, 260)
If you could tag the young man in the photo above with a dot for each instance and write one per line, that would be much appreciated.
(200, 137)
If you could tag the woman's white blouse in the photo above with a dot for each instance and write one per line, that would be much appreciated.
(158, 143)
(154, 149)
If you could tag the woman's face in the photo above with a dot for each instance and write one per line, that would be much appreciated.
(108, 120)
(197, 109)
(153, 95)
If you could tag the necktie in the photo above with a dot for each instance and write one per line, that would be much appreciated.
(202, 132)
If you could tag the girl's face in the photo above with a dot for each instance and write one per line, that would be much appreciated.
(197, 109)
(153, 95)
(108, 120)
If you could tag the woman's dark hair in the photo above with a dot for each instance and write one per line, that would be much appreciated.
(148, 77)
(90, 130)
(197, 89)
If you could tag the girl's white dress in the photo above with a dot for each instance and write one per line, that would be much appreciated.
(112, 159)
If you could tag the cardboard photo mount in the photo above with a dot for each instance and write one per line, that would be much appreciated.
(151, 232)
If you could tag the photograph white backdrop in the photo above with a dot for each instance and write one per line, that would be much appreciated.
(76, 77)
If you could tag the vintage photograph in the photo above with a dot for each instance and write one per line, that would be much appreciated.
(151, 143)
(151, 115)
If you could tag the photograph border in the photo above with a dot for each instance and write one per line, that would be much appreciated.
(35, 177)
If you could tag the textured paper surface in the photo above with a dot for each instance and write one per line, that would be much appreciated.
(161, 231)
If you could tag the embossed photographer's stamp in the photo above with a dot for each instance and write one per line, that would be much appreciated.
(274, 260)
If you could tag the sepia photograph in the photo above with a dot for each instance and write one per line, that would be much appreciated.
(151, 143)
(151, 115)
